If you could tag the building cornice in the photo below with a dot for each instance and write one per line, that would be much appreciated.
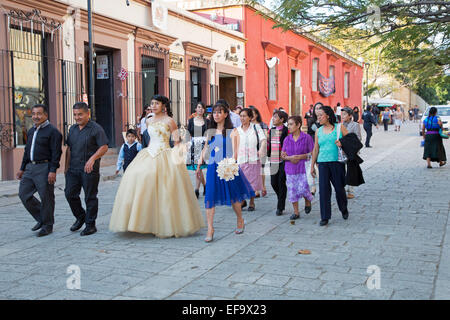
(271, 47)
(196, 49)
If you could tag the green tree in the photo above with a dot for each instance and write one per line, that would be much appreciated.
(414, 36)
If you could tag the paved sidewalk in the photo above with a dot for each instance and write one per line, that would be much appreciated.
(398, 223)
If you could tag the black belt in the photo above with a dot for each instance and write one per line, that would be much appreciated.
(39, 162)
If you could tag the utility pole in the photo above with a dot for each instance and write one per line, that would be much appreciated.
(91, 63)
(367, 65)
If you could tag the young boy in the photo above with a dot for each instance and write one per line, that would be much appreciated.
(277, 134)
(128, 151)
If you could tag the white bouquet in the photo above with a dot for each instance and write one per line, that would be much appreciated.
(227, 169)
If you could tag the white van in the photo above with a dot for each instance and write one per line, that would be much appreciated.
(443, 112)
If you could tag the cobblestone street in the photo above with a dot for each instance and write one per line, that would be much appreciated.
(398, 222)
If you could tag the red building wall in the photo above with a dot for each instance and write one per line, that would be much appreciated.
(294, 52)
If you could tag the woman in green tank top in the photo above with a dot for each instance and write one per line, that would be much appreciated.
(330, 169)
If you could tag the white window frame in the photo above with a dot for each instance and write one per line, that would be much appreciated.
(315, 75)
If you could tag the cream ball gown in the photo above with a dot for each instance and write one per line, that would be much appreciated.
(156, 194)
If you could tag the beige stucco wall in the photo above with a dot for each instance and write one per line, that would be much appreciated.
(177, 26)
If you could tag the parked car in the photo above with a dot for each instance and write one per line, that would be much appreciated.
(443, 111)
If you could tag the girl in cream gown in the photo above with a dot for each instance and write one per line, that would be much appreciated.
(156, 194)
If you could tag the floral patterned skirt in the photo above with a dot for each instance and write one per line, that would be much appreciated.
(194, 151)
(297, 185)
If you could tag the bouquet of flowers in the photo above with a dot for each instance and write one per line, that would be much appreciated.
(227, 169)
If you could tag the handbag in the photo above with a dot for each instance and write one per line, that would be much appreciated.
(443, 134)
(257, 137)
(342, 157)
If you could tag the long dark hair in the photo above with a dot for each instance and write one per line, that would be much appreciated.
(165, 101)
(213, 124)
(144, 113)
(258, 114)
(330, 113)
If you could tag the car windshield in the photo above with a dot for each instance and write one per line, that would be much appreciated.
(445, 111)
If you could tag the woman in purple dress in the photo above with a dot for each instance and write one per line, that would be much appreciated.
(297, 148)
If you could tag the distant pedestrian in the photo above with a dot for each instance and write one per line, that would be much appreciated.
(369, 121)
(356, 114)
(87, 143)
(297, 148)
(142, 124)
(411, 114)
(386, 117)
(398, 114)
(128, 151)
(338, 112)
(416, 113)
(38, 170)
(252, 144)
(257, 119)
(433, 147)
(145, 137)
(326, 154)
(277, 135)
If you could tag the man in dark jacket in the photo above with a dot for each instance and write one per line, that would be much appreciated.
(369, 121)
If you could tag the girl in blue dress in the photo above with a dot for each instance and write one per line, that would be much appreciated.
(222, 143)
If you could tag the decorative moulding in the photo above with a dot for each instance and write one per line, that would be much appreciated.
(296, 53)
(315, 49)
(160, 38)
(196, 49)
(332, 57)
(271, 47)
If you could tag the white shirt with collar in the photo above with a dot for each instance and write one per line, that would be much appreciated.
(42, 125)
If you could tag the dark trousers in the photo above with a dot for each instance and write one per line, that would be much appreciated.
(75, 180)
(368, 134)
(278, 182)
(385, 123)
(35, 179)
(333, 172)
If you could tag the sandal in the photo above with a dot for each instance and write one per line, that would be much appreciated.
(264, 193)
(442, 163)
(429, 167)
(251, 208)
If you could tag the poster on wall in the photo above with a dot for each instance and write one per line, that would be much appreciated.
(102, 67)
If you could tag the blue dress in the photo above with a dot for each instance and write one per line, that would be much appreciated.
(220, 192)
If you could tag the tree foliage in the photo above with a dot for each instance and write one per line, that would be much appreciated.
(413, 36)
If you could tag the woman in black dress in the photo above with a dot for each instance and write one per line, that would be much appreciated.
(197, 127)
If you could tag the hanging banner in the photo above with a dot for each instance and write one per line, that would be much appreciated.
(272, 62)
(159, 15)
(326, 85)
